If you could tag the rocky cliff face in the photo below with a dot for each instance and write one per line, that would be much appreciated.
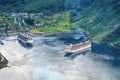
(3, 61)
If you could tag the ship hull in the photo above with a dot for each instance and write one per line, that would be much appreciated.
(72, 55)
(80, 51)
(24, 43)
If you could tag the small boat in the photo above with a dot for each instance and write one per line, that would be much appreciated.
(1, 42)
(25, 39)
(78, 48)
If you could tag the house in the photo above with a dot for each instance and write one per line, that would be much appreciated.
(39, 24)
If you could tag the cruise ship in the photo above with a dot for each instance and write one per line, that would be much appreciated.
(78, 48)
(25, 39)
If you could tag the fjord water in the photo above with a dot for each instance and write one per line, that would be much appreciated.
(46, 61)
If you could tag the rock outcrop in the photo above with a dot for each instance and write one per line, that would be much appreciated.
(3, 61)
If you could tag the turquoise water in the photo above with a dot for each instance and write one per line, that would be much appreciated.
(46, 61)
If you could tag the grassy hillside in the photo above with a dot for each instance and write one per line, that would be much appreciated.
(59, 22)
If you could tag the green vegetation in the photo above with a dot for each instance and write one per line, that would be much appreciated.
(97, 24)
(6, 22)
(31, 6)
(45, 6)
(56, 23)
(98, 18)
(100, 22)
(59, 22)
(113, 37)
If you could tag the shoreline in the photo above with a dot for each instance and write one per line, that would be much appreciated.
(110, 45)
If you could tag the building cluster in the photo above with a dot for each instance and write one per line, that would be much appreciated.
(19, 18)
(25, 15)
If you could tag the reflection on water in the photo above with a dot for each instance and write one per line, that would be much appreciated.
(46, 61)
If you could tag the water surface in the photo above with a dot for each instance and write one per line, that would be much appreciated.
(46, 61)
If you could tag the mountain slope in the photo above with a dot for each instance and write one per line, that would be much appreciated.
(34, 6)
(113, 38)
(99, 18)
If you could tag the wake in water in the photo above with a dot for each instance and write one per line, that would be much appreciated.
(46, 61)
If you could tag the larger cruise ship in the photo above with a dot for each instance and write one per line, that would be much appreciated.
(78, 48)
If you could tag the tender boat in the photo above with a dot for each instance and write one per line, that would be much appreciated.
(25, 39)
(1, 42)
(78, 48)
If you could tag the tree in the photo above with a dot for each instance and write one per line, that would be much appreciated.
(29, 21)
